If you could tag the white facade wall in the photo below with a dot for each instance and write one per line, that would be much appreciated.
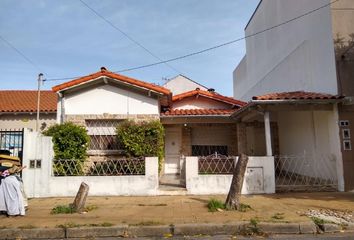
(259, 178)
(39, 182)
(199, 103)
(313, 135)
(296, 56)
(109, 99)
(181, 84)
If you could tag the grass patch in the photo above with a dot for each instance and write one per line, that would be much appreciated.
(319, 221)
(278, 216)
(215, 204)
(69, 225)
(69, 209)
(252, 229)
(28, 226)
(147, 223)
(62, 209)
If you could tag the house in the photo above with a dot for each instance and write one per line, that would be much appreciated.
(181, 84)
(18, 109)
(198, 123)
(294, 76)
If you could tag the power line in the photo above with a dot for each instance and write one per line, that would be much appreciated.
(126, 35)
(214, 47)
(20, 53)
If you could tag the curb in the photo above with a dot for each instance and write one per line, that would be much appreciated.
(234, 228)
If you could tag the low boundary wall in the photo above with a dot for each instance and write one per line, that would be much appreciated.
(40, 182)
(259, 178)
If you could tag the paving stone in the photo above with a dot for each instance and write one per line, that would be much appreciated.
(82, 232)
(36, 233)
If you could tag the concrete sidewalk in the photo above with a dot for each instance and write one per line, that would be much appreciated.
(187, 212)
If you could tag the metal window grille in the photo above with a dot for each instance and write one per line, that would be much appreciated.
(11, 142)
(110, 167)
(305, 173)
(102, 134)
(207, 150)
(216, 164)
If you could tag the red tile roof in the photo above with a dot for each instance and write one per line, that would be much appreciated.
(191, 112)
(26, 101)
(207, 94)
(106, 73)
(298, 95)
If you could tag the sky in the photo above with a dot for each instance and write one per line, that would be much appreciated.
(65, 39)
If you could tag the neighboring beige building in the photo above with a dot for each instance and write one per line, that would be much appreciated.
(18, 109)
(343, 34)
(181, 84)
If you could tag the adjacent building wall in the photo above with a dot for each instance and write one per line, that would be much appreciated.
(314, 136)
(26, 120)
(180, 84)
(296, 56)
(199, 103)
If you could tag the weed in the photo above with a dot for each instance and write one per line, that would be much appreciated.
(319, 221)
(252, 228)
(28, 226)
(90, 208)
(66, 209)
(244, 207)
(147, 223)
(215, 204)
(278, 216)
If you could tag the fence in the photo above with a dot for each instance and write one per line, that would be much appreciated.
(305, 173)
(12, 140)
(110, 167)
(211, 175)
(216, 164)
(39, 180)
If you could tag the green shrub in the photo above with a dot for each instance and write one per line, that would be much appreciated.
(142, 139)
(70, 141)
(215, 204)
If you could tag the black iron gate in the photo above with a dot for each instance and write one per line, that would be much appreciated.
(11, 142)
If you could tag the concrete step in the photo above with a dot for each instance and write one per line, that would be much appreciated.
(171, 179)
(172, 191)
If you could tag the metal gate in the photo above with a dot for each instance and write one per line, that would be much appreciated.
(305, 173)
(11, 141)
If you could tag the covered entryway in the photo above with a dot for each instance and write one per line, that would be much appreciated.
(301, 132)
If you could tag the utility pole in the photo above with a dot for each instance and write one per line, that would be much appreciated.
(40, 81)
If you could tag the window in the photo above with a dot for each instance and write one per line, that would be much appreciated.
(344, 123)
(102, 134)
(347, 145)
(206, 150)
(346, 133)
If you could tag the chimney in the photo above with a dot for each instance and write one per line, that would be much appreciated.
(212, 90)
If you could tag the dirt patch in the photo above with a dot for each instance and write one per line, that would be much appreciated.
(179, 209)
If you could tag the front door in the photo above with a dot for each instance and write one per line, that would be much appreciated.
(172, 150)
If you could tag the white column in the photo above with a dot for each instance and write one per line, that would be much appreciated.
(268, 137)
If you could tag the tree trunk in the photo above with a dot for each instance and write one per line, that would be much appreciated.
(80, 199)
(233, 198)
